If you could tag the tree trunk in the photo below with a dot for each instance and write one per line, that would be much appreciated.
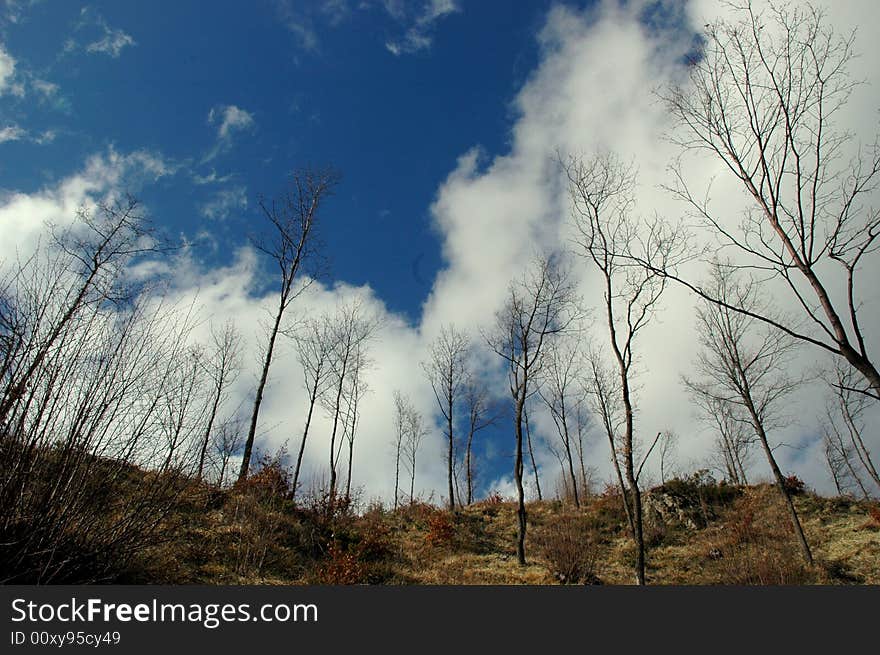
(532, 454)
(258, 400)
(518, 475)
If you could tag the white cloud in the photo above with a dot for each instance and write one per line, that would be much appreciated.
(7, 71)
(11, 133)
(592, 90)
(418, 27)
(224, 202)
(230, 120)
(112, 42)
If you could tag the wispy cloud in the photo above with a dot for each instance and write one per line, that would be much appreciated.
(419, 27)
(7, 74)
(211, 178)
(112, 43)
(229, 120)
(109, 40)
(224, 202)
(11, 133)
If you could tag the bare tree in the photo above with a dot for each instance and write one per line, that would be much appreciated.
(313, 341)
(291, 246)
(222, 366)
(446, 370)
(411, 430)
(541, 304)
(94, 387)
(352, 326)
(83, 269)
(480, 415)
(401, 405)
(608, 235)
(734, 437)
(356, 388)
(668, 445)
(562, 393)
(745, 366)
(226, 441)
(416, 431)
(763, 98)
(847, 455)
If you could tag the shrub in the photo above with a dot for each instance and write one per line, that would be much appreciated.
(570, 544)
(794, 485)
(441, 530)
(340, 567)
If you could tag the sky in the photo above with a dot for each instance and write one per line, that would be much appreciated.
(443, 117)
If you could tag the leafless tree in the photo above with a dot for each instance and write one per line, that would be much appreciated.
(763, 98)
(608, 235)
(540, 305)
(226, 441)
(480, 414)
(290, 245)
(91, 393)
(401, 405)
(222, 366)
(416, 431)
(745, 364)
(531, 448)
(668, 445)
(846, 452)
(313, 341)
(352, 326)
(83, 268)
(411, 430)
(446, 370)
(356, 388)
(562, 393)
(734, 439)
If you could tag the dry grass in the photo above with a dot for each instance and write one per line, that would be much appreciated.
(256, 535)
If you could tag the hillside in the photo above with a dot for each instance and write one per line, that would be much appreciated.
(699, 533)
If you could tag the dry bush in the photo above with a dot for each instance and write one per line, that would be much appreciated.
(340, 567)
(571, 546)
(441, 530)
(758, 545)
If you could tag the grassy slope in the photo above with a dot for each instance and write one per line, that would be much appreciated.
(253, 537)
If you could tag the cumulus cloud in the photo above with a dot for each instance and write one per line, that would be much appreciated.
(592, 90)
(103, 176)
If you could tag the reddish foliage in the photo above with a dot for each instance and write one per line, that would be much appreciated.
(441, 531)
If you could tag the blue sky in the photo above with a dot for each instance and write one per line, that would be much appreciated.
(148, 76)
(444, 118)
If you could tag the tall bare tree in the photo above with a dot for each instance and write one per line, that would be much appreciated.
(446, 370)
(313, 341)
(763, 98)
(290, 244)
(745, 366)
(411, 430)
(222, 365)
(540, 304)
(353, 325)
(608, 234)
(562, 393)
(480, 415)
(356, 388)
